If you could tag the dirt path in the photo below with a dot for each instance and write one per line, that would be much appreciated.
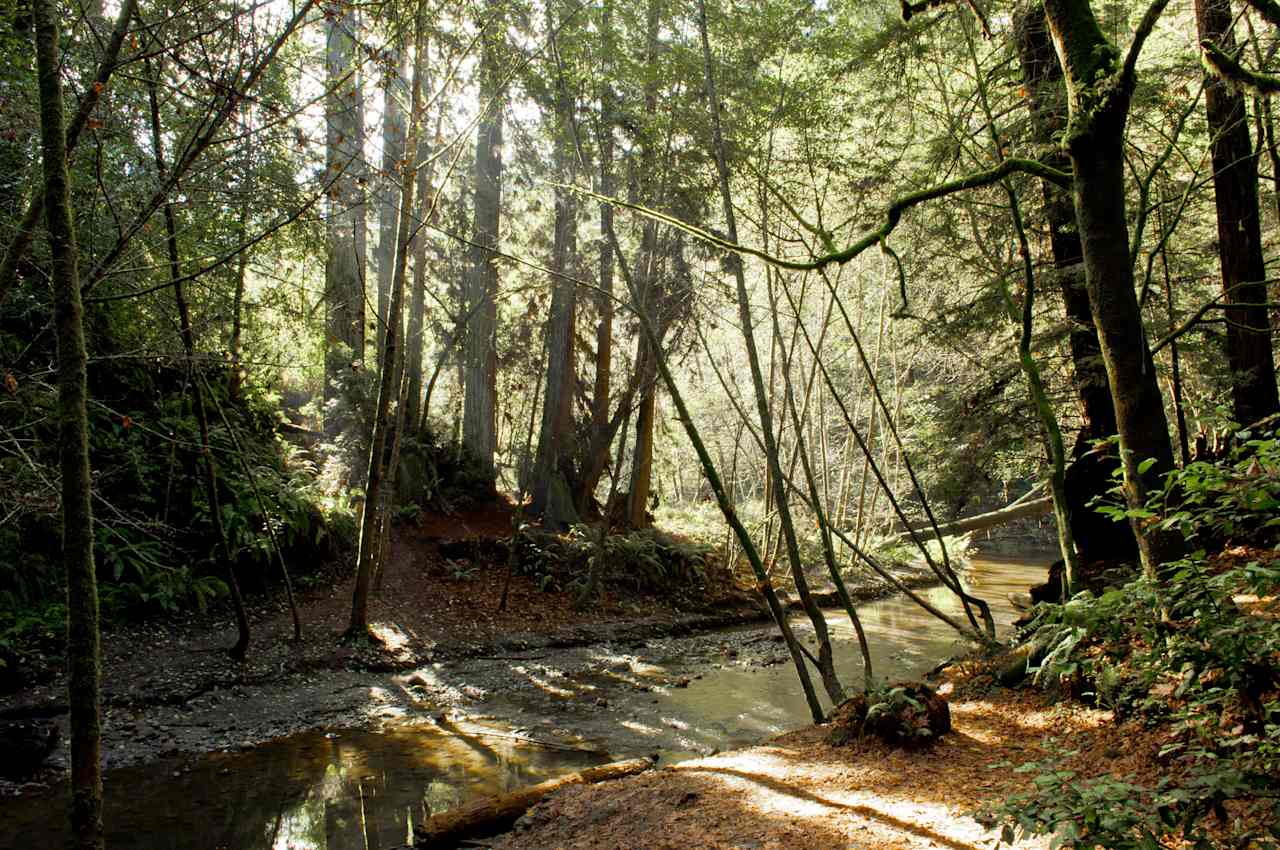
(799, 791)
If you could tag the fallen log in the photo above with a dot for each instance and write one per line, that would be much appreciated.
(1018, 510)
(492, 815)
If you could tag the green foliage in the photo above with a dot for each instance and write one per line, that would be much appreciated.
(1182, 649)
(440, 474)
(1235, 499)
(645, 561)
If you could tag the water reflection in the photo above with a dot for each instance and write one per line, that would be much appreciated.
(352, 790)
(357, 790)
(736, 706)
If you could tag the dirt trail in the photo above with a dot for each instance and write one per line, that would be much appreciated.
(799, 791)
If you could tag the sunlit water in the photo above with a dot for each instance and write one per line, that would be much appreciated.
(737, 706)
(345, 790)
(361, 790)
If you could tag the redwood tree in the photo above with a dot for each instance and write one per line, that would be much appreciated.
(1235, 188)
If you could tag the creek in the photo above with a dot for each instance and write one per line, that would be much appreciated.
(363, 788)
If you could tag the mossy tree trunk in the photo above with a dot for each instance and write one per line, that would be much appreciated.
(84, 666)
(1099, 91)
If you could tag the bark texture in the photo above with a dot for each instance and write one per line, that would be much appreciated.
(1235, 189)
(479, 414)
(1099, 89)
(344, 265)
(84, 667)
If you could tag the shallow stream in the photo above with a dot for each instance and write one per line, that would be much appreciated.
(363, 789)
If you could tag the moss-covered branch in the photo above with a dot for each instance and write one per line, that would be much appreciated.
(1219, 63)
(892, 215)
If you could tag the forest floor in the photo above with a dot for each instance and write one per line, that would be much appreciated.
(800, 790)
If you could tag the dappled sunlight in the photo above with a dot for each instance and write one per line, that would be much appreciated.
(544, 681)
(392, 637)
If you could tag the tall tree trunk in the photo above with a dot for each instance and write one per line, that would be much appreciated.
(1042, 78)
(414, 411)
(383, 444)
(1098, 97)
(551, 491)
(1235, 188)
(84, 666)
(344, 263)
(235, 376)
(596, 458)
(1089, 475)
(388, 197)
(479, 417)
(197, 390)
(642, 454)
(825, 660)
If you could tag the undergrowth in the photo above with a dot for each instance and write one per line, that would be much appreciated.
(1196, 652)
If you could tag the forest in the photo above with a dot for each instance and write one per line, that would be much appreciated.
(674, 423)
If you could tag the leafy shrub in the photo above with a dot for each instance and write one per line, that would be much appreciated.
(905, 715)
(646, 561)
(443, 475)
(1179, 649)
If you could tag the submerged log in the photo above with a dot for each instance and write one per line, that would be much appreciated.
(492, 815)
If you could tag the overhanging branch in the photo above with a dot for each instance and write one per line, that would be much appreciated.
(892, 215)
(1221, 64)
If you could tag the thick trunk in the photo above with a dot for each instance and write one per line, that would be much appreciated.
(1098, 105)
(551, 482)
(1235, 188)
(642, 456)
(84, 668)
(1089, 475)
(597, 455)
(479, 416)
(553, 474)
(344, 264)
(1042, 78)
